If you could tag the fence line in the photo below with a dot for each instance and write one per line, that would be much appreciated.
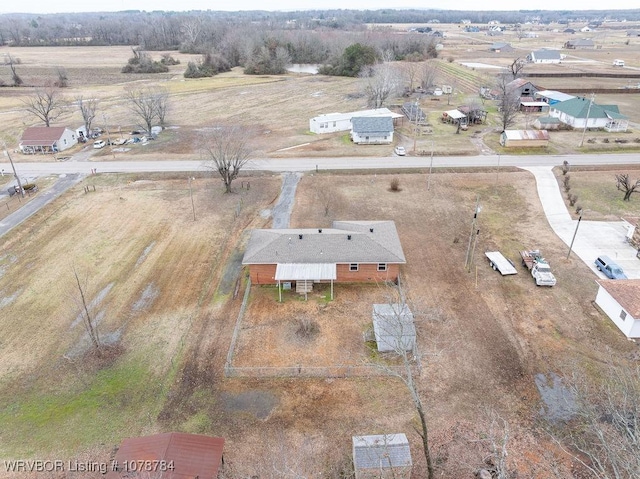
(236, 328)
(343, 371)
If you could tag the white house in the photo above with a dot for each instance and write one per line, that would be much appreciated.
(333, 122)
(620, 300)
(45, 139)
(372, 130)
(580, 112)
(545, 56)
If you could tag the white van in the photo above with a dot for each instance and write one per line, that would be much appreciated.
(618, 63)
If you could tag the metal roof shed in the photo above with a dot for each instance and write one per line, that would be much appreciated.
(382, 456)
(393, 327)
(173, 455)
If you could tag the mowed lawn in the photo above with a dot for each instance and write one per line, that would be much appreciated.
(148, 272)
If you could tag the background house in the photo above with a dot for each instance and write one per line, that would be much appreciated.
(524, 138)
(349, 251)
(580, 44)
(371, 130)
(382, 456)
(544, 56)
(44, 139)
(333, 122)
(501, 47)
(580, 113)
(620, 300)
(191, 455)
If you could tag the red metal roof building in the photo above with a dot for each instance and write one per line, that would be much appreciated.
(173, 455)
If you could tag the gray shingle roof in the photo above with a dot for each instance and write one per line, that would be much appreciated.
(547, 54)
(382, 451)
(372, 124)
(272, 246)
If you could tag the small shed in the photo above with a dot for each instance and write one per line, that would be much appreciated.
(524, 138)
(393, 327)
(188, 456)
(47, 139)
(546, 123)
(454, 116)
(619, 299)
(372, 130)
(528, 105)
(382, 456)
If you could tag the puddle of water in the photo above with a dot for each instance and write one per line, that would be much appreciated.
(559, 403)
(258, 403)
(147, 298)
(94, 304)
(7, 300)
(145, 253)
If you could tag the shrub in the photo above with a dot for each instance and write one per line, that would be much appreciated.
(307, 328)
(394, 184)
(572, 199)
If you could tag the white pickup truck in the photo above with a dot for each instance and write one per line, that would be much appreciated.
(539, 267)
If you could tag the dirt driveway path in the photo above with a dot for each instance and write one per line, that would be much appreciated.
(593, 238)
(282, 211)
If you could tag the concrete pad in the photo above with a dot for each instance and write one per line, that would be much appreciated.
(593, 238)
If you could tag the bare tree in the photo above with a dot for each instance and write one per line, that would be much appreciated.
(63, 77)
(508, 102)
(88, 111)
(11, 61)
(604, 434)
(148, 105)
(46, 103)
(380, 82)
(88, 319)
(411, 68)
(516, 68)
(227, 151)
(161, 105)
(428, 73)
(398, 328)
(625, 184)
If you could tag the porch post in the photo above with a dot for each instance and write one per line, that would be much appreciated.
(279, 292)
(331, 289)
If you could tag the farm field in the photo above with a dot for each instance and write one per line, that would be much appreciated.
(162, 287)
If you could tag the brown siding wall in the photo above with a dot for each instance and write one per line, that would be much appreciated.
(262, 273)
(265, 273)
(366, 273)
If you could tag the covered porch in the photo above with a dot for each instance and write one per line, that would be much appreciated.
(304, 275)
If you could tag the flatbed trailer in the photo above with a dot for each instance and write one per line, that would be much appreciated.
(500, 263)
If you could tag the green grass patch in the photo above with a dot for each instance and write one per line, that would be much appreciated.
(113, 403)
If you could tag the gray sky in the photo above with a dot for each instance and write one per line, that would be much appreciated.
(49, 6)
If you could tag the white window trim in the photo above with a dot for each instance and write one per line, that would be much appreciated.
(382, 267)
(351, 267)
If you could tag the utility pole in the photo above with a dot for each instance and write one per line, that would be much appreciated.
(193, 206)
(467, 263)
(574, 235)
(415, 129)
(497, 172)
(430, 168)
(6, 152)
(586, 121)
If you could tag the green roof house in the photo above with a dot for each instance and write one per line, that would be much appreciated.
(580, 112)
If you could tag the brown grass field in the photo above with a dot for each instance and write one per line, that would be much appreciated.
(161, 286)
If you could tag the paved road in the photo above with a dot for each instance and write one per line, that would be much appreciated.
(282, 211)
(63, 184)
(310, 164)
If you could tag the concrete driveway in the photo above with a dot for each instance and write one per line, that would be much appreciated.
(593, 238)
